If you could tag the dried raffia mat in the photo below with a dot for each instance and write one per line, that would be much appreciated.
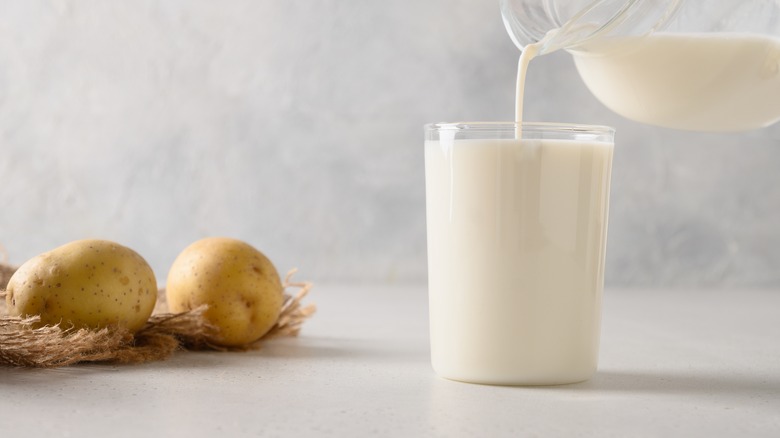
(24, 345)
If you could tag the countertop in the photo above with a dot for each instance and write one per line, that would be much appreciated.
(672, 363)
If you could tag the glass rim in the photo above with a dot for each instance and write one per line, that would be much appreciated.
(577, 128)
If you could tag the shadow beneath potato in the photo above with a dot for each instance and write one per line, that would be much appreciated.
(322, 348)
(268, 355)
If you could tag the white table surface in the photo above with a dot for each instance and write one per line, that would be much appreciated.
(672, 364)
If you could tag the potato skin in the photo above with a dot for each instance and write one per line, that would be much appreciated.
(86, 284)
(239, 284)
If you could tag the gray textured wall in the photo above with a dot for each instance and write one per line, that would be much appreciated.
(296, 125)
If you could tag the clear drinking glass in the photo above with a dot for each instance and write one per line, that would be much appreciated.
(516, 245)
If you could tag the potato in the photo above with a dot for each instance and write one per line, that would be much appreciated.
(85, 284)
(238, 283)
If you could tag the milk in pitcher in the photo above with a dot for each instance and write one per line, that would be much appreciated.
(705, 82)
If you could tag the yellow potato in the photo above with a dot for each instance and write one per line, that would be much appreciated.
(86, 284)
(238, 283)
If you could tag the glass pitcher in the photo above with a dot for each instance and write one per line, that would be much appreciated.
(707, 65)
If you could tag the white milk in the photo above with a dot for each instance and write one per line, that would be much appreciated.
(706, 82)
(516, 248)
(526, 56)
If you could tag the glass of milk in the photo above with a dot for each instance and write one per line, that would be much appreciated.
(517, 225)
